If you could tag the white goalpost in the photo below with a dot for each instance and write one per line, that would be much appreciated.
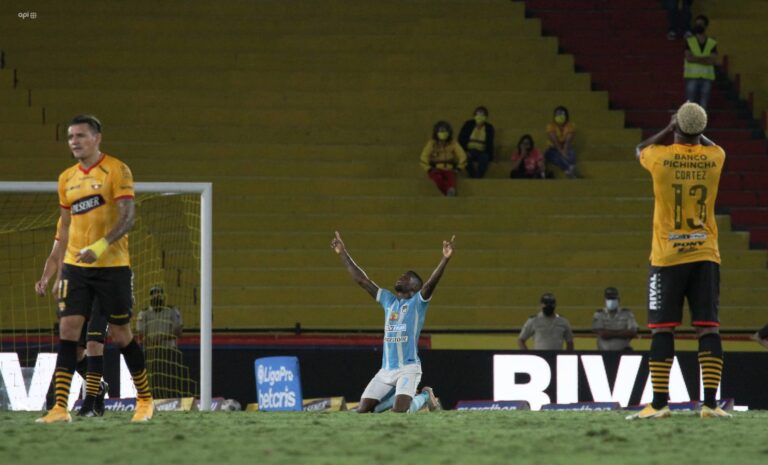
(13, 222)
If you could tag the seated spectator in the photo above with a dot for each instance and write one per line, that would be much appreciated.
(477, 138)
(762, 337)
(560, 133)
(527, 162)
(549, 330)
(615, 326)
(442, 158)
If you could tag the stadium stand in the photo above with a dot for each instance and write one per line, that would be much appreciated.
(309, 118)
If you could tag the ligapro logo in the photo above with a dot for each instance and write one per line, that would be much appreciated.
(267, 374)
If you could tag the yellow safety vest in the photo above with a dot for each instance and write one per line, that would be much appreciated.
(697, 70)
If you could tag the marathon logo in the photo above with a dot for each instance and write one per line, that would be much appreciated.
(490, 405)
(87, 204)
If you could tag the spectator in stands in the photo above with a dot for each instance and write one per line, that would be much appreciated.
(762, 337)
(477, 138)
(549, 330)
(527, 162)
(615, 326)
(442, 158)
(700, 57)
(678, 17)
(560, 132)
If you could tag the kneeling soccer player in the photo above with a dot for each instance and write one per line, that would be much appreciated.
(404, 314)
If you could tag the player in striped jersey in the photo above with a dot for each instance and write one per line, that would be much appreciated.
(404, 314)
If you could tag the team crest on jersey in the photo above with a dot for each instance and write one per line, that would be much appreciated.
(87, 204)
(404, 308)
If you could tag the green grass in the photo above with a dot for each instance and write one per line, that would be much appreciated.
(475, 438)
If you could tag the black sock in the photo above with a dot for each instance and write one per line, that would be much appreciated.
(134, 358)
(65, 368)
(93, 379)
(711, 362)
(660, 364)
(82, 367)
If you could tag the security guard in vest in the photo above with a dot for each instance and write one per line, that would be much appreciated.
(700, 56)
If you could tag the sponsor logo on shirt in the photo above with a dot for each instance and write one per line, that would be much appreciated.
(396, 339)
(87, 204)
(396, 328)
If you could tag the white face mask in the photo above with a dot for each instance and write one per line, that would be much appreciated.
(611, 304)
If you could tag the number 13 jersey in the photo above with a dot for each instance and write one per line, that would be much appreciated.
(685, 182)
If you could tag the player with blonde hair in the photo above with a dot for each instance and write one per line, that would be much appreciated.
(685, 258)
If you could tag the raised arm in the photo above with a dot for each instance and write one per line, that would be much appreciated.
(658, 137)
(431, 284)
(126, 217)
(355, 271)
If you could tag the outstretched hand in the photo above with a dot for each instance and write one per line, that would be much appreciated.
(337, 244)
(448, 247)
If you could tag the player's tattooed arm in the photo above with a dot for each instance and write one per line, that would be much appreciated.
(658, 137)
(431, 284)
(354, 270)
(125, 219)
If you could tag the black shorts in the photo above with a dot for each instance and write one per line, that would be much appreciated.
(669, 286)
(112, 287)
(96, 327)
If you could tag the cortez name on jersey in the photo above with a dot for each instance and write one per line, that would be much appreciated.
(91, 196)
(685, 182)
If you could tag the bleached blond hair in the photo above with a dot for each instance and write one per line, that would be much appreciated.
(691, 119)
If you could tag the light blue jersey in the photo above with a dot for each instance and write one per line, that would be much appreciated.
(403, 320)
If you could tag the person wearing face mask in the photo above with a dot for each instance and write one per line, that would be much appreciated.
(477, 138)
(160, 326)
(699, 66)
(549, 330)
(560, 133)
(527, 162)
(615, 327)
(442, 158)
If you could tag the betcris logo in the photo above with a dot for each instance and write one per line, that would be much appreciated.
(278, 384)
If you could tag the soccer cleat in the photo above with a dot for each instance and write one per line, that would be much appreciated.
(86, 409)
(649, 412)
(144, 410)
(55, 415)
(98, 405)
(433, 403)
(717, 412)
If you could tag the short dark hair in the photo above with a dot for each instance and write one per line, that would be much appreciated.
(442, 124)
(483, 109)
(564, 110)
(520, 142)
(548, 298)
(416, 275)
(703, 18)
(92, 122)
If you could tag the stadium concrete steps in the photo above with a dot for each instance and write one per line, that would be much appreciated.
(314, 120)
(650, 83)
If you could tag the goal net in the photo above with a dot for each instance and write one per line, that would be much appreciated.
(170, 260)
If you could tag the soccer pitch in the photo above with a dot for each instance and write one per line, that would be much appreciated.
(453, 437)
